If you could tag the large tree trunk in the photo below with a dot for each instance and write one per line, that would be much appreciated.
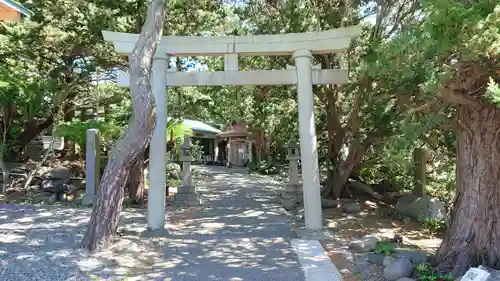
(69, 114)
(336, 135)
(473, 235)
(105, 216)
(135, 182)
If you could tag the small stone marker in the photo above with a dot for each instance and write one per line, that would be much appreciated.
(476, 274)
(92, 166)
(494, 274)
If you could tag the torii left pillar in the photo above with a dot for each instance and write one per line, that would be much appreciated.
(158, 146)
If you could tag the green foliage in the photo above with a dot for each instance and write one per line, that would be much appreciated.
(426, 273)
(77, 131)
(264, 167)
(197, 152)
(173, 171)
(435, 226)
(493, 92)
(176, 131)
(173, 182)
(386, 248)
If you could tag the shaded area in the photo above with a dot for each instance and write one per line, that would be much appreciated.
(238, 234)
(375, 219)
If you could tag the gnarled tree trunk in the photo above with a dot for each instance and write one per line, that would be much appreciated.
(473, 236)
(135, 182)
(105, 216)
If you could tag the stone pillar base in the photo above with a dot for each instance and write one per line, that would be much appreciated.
(155, 233)
(88, 199)
(321, 234)
(292, 196)
(188, 199)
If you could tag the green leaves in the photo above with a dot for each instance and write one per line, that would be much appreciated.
(77, 132)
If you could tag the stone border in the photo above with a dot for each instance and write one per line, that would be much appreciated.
(315, 264)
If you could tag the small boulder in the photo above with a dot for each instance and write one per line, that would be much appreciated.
(52, 199)
(289, 204)
(366, 244)
(375, 258)
(459, 278)
(398, 269)
(388, 260)
(416, 257)
(352, 207)
(421, 208)
(61, 173)
(328, 203)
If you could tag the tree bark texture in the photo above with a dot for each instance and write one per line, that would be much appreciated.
(104, 221)
(419, 171)
(258, 131)
(135, 182)
(473, 235)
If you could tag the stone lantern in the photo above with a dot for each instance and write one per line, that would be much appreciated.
(292, 150)
(291, 197)
(186, 150)
(186, 193)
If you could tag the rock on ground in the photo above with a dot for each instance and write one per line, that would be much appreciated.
(388, 260)
(328, 203)
(365, 244)
(416, 257)
(421, 208)
(375, 258)
(398, 269)
(352, 207)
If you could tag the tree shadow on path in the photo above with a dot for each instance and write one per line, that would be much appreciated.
(239, 233)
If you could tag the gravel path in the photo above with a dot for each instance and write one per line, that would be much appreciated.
(239, 233)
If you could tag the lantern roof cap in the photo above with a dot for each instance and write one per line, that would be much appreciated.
(291, 143)
(187, 142)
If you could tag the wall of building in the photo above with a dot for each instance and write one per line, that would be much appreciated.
(9, 14)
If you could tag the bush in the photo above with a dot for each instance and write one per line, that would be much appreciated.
(385, 248)
(197, 152)
(77, 132)
(264, 167)
(426, 273)
(173, 171)
(435, 226)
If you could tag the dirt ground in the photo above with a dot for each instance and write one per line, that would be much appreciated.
(370, 221)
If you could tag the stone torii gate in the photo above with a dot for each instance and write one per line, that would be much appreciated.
(304, 74)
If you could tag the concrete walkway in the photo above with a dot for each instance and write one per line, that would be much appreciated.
(240, 232)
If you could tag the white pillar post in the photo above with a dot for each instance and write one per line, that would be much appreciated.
(308, 146)
(157, 151)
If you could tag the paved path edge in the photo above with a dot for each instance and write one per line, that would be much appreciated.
(315, 264)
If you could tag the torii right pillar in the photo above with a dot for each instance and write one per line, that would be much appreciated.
(308, 146)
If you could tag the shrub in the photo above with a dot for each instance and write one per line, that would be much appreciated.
(77, 132)
(173, 171)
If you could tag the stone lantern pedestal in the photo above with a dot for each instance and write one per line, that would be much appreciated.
(186, 193)
(292, 196)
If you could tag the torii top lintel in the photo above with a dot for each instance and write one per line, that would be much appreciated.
(321, 42)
